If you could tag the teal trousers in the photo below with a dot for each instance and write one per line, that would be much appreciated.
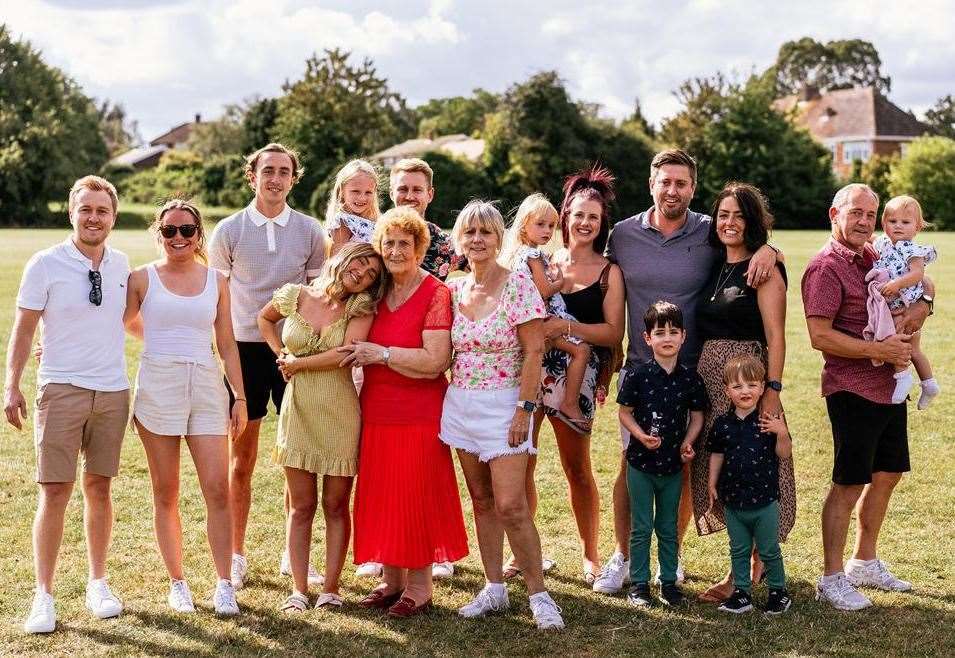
(654, 502)
(761, 525)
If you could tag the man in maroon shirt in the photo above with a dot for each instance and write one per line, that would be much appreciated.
(869, 432)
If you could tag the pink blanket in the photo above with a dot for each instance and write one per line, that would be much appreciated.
(880, 325)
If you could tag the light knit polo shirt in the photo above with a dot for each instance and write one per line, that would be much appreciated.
(83, 344)
(673, 268)
(260, 255)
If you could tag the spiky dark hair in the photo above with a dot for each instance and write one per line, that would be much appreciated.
(595, 184)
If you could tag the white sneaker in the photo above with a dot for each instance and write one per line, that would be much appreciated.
(238, 571)
(42, 618)
(315, 579)
(101, 601)
(874, 573)
(224, 598)
(442, 570)
(546, 612)
(180, 598)
(485, 602)
(838, 591)
(680, 575)
(614, 575)
(369, 570)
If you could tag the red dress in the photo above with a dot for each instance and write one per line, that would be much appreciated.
(407, 507)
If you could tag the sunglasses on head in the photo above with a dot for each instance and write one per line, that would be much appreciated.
(168, 231)
(96, 292)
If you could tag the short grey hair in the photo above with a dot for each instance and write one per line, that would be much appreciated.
(842, 196)
(483, 213)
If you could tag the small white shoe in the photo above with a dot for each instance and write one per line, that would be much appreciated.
(613, 576)
(546, 612)
(101, 601)
(42, 617)
(328, 599)
(874, 573)
(315, 579)
(442, 570)
(369, 570)
(838, 591)
(485, 603)
(680, 575)
(224, 599)
(180, 597)
(238, 571)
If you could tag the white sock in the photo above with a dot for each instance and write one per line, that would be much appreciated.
(496, 589)
(930, 389)
(903, 383)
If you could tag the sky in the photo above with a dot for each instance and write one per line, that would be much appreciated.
(167, 60)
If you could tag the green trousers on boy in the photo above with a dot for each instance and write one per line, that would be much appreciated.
(646, 492)
(761, 526)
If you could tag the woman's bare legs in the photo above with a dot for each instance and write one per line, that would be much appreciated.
(210, 454)
(336, 495)
(162, 456)
(574, 450)
(302, 489)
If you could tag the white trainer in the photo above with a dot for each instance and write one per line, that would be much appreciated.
(315, 579)
(614, 575)
(238, 570)
(369, 570)
(224, 598)
(680, 575)
(180, 598)
(874, 573)
(101, 601)
(42, 618)
(485, 603)
(546, 612)
(442, 570)
(838, 591)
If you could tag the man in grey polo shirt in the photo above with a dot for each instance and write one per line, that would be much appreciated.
(664, 254)
(261, 248)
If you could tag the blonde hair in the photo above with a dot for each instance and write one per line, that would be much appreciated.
(252, 160)
(533, 207)
(411, 165)
(483, 213)
(746, 368)
(901, 203)
(336, 202)
(403, 218)
(330, 280)
(189, 207)
(93, 184)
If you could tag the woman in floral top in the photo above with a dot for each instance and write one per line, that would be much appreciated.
(495, 375)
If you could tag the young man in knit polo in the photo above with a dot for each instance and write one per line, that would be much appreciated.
(261, 248)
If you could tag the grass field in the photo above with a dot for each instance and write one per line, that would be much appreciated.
(918, 541)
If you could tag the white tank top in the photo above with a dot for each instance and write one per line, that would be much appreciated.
(177, 326)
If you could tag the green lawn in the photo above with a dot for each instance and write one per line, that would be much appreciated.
(918, 541)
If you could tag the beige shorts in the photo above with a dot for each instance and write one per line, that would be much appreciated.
(70, 421)
(181, 398)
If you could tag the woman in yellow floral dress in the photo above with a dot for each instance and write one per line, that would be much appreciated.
(320, 419)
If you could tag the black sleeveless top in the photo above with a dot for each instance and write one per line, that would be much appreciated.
(728, 307)
(587, 304)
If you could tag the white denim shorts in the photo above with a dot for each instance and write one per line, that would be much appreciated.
(477, 421)
(179, 397)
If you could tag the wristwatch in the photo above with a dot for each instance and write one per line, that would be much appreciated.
(527, 405)
(928, 299)
(385, 355)
(775, 385)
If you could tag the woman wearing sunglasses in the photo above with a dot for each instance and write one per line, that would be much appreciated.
(180, 393)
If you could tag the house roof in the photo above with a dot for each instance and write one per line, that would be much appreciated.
(140, 154)
(860, 112)
(457, 144)
(178, 135)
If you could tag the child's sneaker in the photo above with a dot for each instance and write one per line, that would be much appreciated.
(738, 602)
(640, 597)
(672, 595)
(778, 602)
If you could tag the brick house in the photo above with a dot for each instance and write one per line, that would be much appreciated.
(854, 124)
(148, 156)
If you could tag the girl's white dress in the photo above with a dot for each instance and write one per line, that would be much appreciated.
(895, 257)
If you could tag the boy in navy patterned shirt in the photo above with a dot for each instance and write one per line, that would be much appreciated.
(661, 405)
(744, 476)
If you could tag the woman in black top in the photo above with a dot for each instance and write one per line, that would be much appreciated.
(732, 319)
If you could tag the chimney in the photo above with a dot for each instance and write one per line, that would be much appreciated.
(808, 92)
(198, 118)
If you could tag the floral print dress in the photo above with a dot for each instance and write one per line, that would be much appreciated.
(895, 258)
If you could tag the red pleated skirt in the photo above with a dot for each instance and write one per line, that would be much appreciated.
(407, 507)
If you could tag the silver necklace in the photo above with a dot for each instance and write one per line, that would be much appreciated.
(724, 281)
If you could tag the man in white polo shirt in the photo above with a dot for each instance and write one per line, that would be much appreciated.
(77, 289)
(261, 248)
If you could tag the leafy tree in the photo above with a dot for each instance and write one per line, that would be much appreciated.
(222, 136)
(119, 133)
(875, 172)
(926, 173)
(941, 117)
(49, 133)
(459, 114)
(637, 123)
(837, 64)
(337, 111)
(456, 181)
(258, 123)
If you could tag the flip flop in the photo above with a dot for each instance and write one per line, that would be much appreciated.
(579, 425)
(712, 595)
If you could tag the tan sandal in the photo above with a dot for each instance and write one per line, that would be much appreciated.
(296, 603)
(327, 599)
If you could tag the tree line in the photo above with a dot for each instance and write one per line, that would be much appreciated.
(535, 133)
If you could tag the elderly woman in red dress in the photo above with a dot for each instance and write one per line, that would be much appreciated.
(407, 508)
